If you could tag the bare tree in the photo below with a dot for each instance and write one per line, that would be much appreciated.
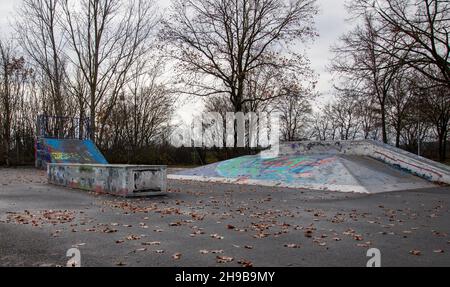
(415, 32)
(344, 116)
(368, 117)
(367, 72)
(42, 38)
(324, 127)
(6, 97)
(220, 43)
(434, 104)
(295, 110)
(401, 103)
(107, 37)
(13, 75)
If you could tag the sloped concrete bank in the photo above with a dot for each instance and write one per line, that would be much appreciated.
(422, 167)
(345, 166)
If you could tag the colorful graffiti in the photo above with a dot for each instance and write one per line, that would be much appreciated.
(68, 151)
(284, 168)
(128, 181)
(349, 166)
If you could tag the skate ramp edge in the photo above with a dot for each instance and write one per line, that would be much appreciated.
(416, 165)
(269, 183)
(67, 151)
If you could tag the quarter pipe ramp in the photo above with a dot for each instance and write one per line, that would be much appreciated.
(67, 151)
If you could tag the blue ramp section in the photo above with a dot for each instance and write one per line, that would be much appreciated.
(67, 151)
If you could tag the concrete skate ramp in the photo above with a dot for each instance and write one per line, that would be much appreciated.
(339, 166)
(68, 151)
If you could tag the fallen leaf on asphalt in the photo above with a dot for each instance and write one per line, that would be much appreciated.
(229, 226)
(133, 237)
(261, 235)
(358, 237)
(292, 245)
(245, 263)
(224, 259)
(363, 245)
(109, 230)
(216, 236)
(151, 243)
(177, 256)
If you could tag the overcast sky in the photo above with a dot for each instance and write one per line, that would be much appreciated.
(330, 25)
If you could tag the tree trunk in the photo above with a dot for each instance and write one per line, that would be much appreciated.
(441, 147)
(7, 125)
(237, 109)
(383, 122)
(92, 116)
(445, 146)
(397, 137)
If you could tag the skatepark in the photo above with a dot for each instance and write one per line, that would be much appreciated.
(342, 166)
(313, 204)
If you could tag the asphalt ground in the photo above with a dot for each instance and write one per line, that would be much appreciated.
(210, 224)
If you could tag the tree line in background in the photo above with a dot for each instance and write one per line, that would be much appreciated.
(394, 76)
(124, 64)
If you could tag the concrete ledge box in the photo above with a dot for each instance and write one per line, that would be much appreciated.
(119, 180)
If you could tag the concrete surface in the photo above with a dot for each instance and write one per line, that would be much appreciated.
(197, 222)
(345, 166)
(420, 166)
(120, 180)
(344, 173)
